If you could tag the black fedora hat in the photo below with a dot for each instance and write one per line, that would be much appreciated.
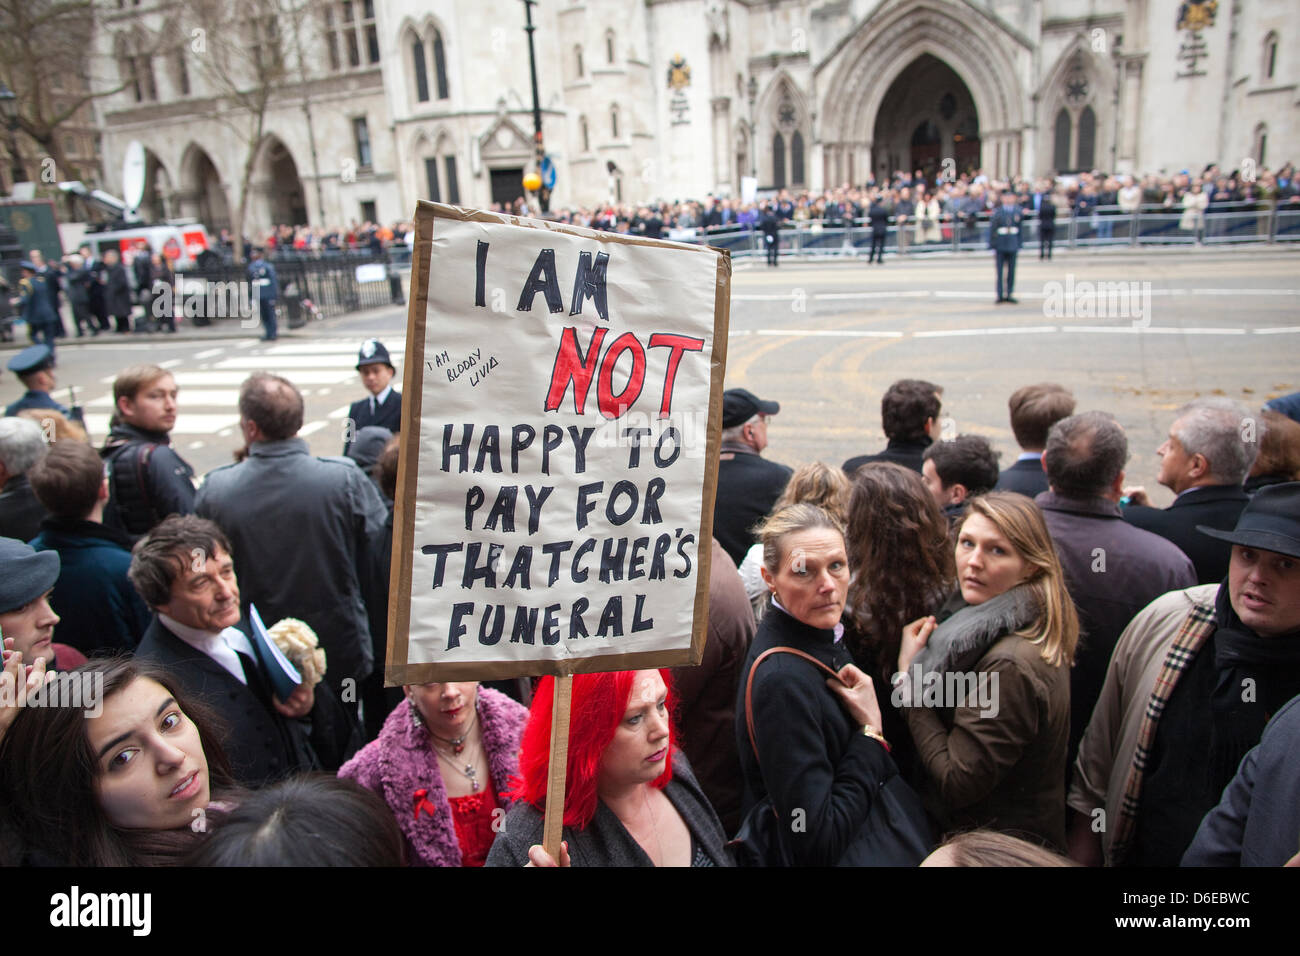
(1271, 522)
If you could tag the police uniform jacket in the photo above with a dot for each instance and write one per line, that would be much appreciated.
(262, 274)
(387, 415)
(36, 399)
(1004, 229)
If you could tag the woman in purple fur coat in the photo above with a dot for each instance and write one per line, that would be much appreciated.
(442, 762)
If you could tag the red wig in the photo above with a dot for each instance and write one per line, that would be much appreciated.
(599, 702)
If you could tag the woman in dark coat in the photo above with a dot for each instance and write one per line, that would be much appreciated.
(117, 291)
(630, 798)
(820, 754)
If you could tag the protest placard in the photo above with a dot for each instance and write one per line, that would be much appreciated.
(561, 415)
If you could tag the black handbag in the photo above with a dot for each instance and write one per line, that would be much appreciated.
(896, 831)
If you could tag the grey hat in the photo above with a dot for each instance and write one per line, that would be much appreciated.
(369, 445)
(25, 573)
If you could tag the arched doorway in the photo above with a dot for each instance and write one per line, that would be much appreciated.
(157, 189)
(926, 116)
(202, 195)
(912, 52)
(276, 178)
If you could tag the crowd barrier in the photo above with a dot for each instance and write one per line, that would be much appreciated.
(1227, 224)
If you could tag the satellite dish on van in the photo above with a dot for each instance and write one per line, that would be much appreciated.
(133, 172)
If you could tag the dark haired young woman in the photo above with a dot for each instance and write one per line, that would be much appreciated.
(128, 780)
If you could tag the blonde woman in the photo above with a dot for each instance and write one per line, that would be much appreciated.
(817, 484)
(986, 694)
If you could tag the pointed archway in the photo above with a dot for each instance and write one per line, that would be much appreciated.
(927, 116)
(276, 194)
(987, 54)
(202, 193)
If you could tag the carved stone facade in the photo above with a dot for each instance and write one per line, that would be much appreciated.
(397, 100)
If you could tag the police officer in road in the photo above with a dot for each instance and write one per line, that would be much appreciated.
(383, 407)
(264, 281)
(1004, 240)
(34, 367)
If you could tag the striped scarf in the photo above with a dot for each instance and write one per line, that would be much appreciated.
(1197, 628)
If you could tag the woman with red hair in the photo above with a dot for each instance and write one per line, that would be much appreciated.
(630, 798)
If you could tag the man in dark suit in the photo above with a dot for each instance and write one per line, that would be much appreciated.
(1208, 454)
(184, 572)
(383, 407)
(909, 413)
(1004, 240)
(1034, 410)
(748, 484)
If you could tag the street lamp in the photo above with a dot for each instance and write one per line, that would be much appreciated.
(9, 110)
(543, 194)
(752, 90)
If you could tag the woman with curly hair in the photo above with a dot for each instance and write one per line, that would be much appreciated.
(902, 562)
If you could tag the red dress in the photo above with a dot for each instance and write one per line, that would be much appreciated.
(472, 817)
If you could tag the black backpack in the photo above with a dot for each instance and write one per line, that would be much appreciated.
(128, 487)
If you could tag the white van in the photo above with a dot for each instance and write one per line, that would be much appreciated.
(180, 245)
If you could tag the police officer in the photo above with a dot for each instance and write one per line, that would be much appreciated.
(262, 276)
(1004, 240)
(383, 407)
(34, 367)
(34, 301)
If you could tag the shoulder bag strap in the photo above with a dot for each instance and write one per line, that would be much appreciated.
(749, 685)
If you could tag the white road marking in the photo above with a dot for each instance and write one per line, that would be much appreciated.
(236, 377)
(835, 333)
(207, 354)
(311, 429)
(186, 424)
(189, 398)
(1003, 330)
(170, 363)
(279, 362)
(339, 412)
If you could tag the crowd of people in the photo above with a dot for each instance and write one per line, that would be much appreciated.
(915, 657)
(924, 206)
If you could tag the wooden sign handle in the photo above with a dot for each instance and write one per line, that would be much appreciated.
(553, 822)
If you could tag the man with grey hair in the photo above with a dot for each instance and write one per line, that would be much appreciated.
(21, 446)
(1112, 569)
(299, 529)
(1211, 447)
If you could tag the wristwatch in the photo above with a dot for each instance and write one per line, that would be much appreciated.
(874, 734)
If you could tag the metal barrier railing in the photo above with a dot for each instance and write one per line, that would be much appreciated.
(1228, 223)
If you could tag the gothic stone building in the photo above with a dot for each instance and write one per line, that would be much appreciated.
(383, 102)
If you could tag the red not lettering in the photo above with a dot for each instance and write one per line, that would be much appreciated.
(679, 345)
(611, 405)
(570, 365)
